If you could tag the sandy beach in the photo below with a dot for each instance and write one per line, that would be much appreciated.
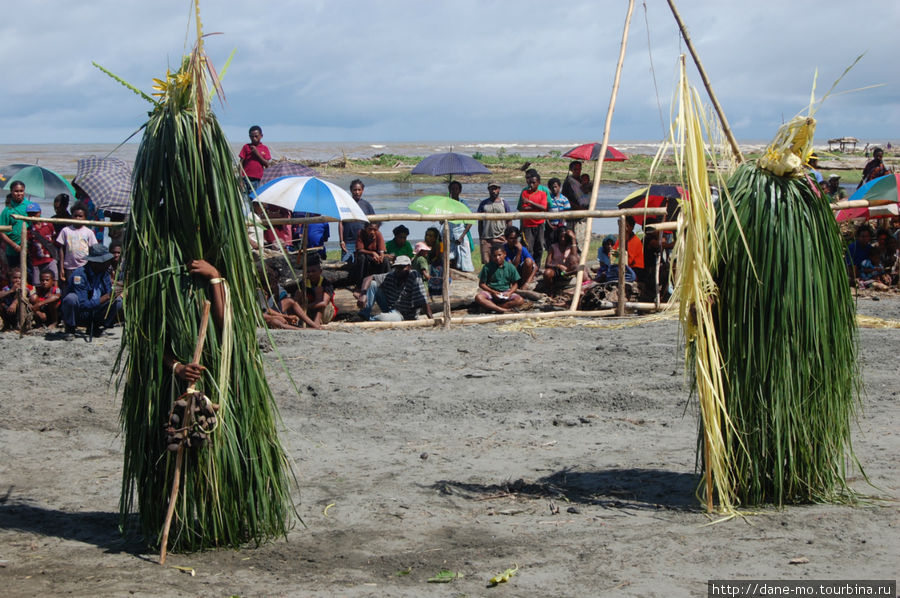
(565, 450)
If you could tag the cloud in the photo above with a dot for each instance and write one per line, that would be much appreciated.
(398, 69)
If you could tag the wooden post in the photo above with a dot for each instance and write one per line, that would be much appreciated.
(188, 414)
(658, 260)
(623, 261)
(712, 96)
(305, 258)
(585, 243)
(445, 286)
(23, 284)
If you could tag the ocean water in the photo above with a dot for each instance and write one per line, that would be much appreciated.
(385, 196)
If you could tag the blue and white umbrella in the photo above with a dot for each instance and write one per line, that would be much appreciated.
(310, 194)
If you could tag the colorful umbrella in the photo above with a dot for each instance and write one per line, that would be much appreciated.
(654, 196)
(450, 163)
(310, 194)
(436, 205)
(40, 182)
(591, 151)
(282, 168)
(107, 181)
(883, 195)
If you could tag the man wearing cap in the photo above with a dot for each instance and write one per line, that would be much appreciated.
(400, 294)
(17, 206)
(490, 232)
(42, 253)
(813, 164)
(87, 299)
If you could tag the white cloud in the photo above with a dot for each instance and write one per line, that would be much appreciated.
(468, 69)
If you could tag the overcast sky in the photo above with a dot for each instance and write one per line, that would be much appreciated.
(396, 70)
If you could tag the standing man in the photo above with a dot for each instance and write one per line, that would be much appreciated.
(255, 158)
(573, 191)
(490, 232)
(533, 199)
(13, 239)
(349, 231)
(460, 250)
(874, 168)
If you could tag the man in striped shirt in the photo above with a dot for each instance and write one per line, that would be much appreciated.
(400, 294)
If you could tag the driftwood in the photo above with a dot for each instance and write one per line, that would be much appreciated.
(485, 319)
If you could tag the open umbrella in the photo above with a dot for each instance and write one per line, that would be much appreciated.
(282, 168)
(310, 194)
(450, 163)
(654, 196)
(40, 182)
(437, 205)
(883, 195)
(591, 151)
(107, 181)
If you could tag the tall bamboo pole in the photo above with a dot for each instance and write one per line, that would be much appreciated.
(585, 243)
(23, 280)
(712, 96)
(445, 286)
(303, 256)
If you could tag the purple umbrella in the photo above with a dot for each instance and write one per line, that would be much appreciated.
(276, 170)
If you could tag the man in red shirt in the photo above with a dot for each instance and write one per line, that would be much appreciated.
(635, 248)
(533, 199)
(255, 157)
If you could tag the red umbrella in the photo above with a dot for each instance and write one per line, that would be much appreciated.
(655, 196)
(590, 151)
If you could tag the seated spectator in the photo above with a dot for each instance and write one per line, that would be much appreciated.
(834, 188)
(518, 255)
(369, 256)
(420, 260)
(278, 236)
(117, 268)
(872, 272)
(634, 247)
(319, 293)
(399, 294)
(562, 261)
(89, 295)
(76, 241)
(256, 226)
(399, 244)
(887, 247)
(279, 310)
(603, 252)
(42, 253)
(858, 250)
(10, 296)
(45, 301)
(498, 283)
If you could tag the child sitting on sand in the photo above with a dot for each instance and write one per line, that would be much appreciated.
(279, 310)
(497, 284)
(518, 255)
(76, 241)
(562, 261)
(872, 273)
(45, 301)
(319, 293)
(9, 298)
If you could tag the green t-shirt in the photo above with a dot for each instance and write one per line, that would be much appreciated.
(6, 219)
(499, 278)
(405, 249)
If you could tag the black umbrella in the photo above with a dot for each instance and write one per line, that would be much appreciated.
(450, 163)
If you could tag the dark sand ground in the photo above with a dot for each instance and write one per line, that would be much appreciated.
(441, 450)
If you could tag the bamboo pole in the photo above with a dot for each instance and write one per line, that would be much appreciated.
(712, 96)
(445, 275)
(305, 259)
(656, 273)
(72, 221)
(623, 261)
(479, 216)
(661, 227)
(585, 243)
(5, 229)
(23, 280)
(188, 414)
(483, 319)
